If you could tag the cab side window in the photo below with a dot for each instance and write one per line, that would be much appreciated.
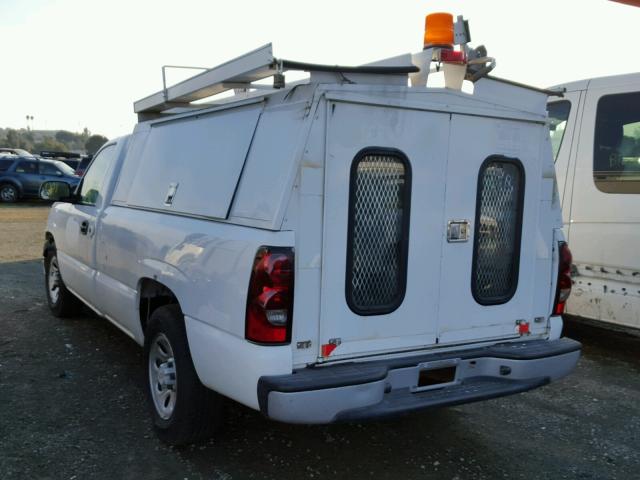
(27, 166)
(93, 181)
(558, 116)
(616, 155)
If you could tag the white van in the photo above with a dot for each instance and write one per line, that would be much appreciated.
(341, 248)
(595, 131)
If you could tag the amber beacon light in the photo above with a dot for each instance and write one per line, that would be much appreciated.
(438, 30)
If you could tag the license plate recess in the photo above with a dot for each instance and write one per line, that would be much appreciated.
(436, 374)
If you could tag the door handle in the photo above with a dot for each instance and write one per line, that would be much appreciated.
(84, 227)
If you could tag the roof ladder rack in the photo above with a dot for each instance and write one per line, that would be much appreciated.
(239, 73)
(242, 70)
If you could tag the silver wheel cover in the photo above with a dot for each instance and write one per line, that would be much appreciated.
(162, 376)
(54, 281)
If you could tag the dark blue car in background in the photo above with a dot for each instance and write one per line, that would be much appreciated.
(22, 176)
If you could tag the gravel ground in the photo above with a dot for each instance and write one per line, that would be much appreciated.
(74, 407)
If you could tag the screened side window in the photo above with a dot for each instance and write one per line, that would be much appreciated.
(558, 117)
(91, 189)
(498, 226)
(379, 203)
(616, 155)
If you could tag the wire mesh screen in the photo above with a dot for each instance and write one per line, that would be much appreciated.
(498, 232)
(378, 219)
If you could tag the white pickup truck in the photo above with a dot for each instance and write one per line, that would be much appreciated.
(344, 247)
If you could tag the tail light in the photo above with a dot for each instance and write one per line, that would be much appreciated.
(563, 288)
(270, 298)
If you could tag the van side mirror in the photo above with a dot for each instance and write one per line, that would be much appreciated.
(55, 192)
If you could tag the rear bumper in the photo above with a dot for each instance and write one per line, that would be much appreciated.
(356, 391)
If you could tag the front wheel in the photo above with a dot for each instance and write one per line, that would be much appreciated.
(61, 301)
(184, 411)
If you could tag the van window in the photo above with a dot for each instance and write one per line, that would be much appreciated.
(378, 231)
(496, 253)
(616, 155)
(558, 116)
(91, 189)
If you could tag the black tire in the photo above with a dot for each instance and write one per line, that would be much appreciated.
(64, 304)
(197, 411)
(9, 193)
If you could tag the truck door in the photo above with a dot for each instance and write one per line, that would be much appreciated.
(383, 212)
(77, 258)
(489, 257)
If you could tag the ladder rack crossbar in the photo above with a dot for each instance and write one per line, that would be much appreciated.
(245, 69)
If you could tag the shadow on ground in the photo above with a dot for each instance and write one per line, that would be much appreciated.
(74, 407)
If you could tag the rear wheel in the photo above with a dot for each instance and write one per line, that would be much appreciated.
(183, 410)
(61, 301)
(9, 193)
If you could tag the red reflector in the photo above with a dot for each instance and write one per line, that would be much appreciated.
(559, 308)
(523, 328)
(327, 348)
(270, 297)
(452, 56)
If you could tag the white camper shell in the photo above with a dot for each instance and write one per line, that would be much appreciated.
(595, 131)
(341, 248)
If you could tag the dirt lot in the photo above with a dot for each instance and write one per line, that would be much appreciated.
(22, 231)
(72, 394)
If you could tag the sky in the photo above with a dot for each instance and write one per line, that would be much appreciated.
(82, 63)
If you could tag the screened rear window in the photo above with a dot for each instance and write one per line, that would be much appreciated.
(498, 227)
(378, 231)
(616, 155)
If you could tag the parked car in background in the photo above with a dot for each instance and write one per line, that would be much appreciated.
(22, 176)
(70, 158)
(595, 134)
(15, 151)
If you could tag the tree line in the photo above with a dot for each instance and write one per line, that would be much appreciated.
(36, 141)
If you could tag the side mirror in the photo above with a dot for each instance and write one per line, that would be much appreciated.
(55, 191)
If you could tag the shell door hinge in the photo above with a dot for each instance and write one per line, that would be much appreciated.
(304, 344)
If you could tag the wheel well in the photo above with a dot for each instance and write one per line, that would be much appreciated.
(49, 243)
(12, 183)
(153, 294)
